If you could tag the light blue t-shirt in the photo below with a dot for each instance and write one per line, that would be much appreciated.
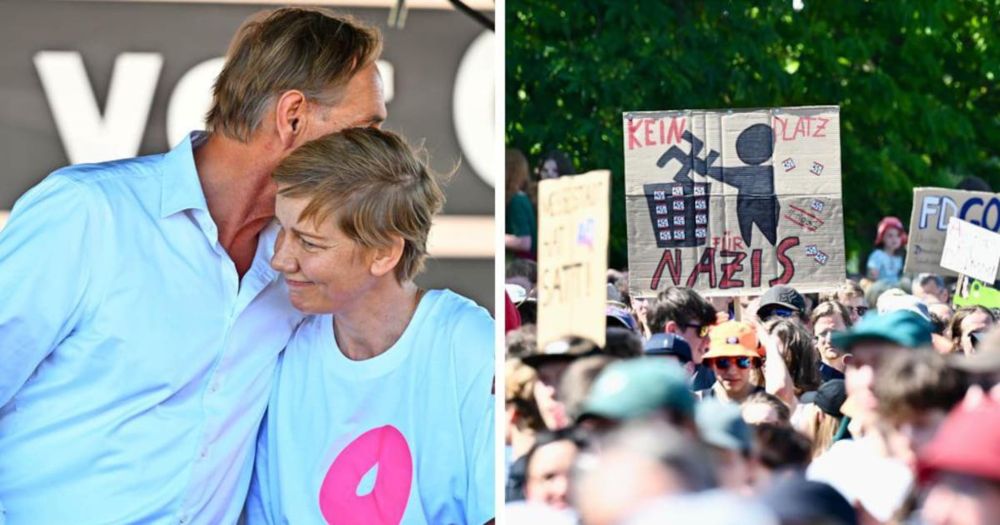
(404, 437)
(887, 266)
(135, 364)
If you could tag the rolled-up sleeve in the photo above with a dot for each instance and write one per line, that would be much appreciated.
(46, 258)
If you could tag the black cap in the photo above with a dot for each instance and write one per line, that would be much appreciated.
(830, 396)
(563, 349)
(668, 344)
(781, 295)
(797, 500)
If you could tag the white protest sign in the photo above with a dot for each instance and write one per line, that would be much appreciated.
(971, 250)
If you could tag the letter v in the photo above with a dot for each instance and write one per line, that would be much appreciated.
(86, 136)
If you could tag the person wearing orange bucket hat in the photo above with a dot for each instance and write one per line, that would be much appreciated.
(733, 351)
(886, 262)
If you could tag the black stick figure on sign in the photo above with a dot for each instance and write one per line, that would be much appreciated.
(756, 202)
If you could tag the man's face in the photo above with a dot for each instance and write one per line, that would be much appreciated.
(859, 377)
(907, 437)
(857, 307)
(550, 170)
(976, 322)
(931, 293)
(823, 329)
(361, 105)
(692, 332)
(734, 379)
(548, 474)
(956, 499)
(553, 412)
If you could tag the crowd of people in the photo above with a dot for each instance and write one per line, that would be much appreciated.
(875, 402)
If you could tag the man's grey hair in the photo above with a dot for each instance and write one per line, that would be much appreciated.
(923, 278)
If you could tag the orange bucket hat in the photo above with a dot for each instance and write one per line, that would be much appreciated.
(732, 339)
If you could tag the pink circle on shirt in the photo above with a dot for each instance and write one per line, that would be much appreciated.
(338, 500)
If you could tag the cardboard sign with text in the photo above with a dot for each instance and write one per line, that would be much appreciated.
(734, 202)
(932, 209)
(971, 250)
(573, 256)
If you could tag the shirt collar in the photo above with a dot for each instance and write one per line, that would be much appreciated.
(181, 187)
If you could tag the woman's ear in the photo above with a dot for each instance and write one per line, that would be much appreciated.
(385, 259)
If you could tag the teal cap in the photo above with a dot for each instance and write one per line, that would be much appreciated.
(634, 388)
(721, 425)
(902, 327)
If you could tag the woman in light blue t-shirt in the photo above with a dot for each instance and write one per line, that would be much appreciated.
(382, 404)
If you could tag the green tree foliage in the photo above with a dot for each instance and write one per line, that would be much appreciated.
(918, 84)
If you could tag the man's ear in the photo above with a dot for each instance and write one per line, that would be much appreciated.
(672, 328)
(290, 117)
(384, 259)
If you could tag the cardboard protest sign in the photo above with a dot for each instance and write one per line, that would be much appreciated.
(932, 209)
(734, 202)
(971, 250)
(573, 256)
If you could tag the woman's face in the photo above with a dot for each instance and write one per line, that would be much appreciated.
(891, 240)
(325, 271)
(550, 170)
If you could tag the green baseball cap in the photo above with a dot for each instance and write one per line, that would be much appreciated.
(634, 388)
(902, 327)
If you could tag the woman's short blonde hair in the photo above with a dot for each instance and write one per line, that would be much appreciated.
(309, 50)
(372, 184)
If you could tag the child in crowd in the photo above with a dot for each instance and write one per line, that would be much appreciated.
(886, 262)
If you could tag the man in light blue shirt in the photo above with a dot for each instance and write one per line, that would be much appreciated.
(140, 322)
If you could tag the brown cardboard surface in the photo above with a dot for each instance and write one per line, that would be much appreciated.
(932, 209)
(572, 256)
(732, 202)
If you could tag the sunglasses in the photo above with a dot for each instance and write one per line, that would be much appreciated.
(723, 363)
(858, 310)
(827, 334)
(702, 330)
(781, 312)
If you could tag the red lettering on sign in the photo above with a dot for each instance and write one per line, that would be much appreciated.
(670, 260)
(755, 268)
(633, 126)
(788, 267)
(705, 264)
(730, 268)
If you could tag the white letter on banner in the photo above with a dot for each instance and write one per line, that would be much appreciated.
(472, 107)
(86, 136)
(947, 204)
(928, 207)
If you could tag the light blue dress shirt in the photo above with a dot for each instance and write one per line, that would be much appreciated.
(135, 366)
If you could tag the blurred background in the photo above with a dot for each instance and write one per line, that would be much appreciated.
(918, 84)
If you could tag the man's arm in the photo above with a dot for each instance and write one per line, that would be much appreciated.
(46, 254)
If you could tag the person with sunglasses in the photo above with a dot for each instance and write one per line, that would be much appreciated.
(782, 301)
(732, 354)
